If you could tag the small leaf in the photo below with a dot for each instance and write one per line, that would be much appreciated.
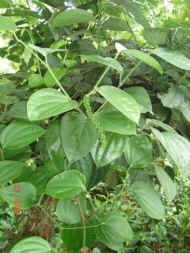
(71, 17)
(166, 182)
(48, 102)
(66, 185)
(173, 57)
(6, 24)
(122, 101)
(138, 151)
(22, 194)
(142, 97)
(110, 62)
(78, 135)
(148, 199)
(35, 81)
(114, 231)
(20, 134)
(112, 120)
(178, 149)
(9, 170)
(32, 244)
(144, 57)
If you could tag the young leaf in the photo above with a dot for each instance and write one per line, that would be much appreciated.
(20, 134)
(142, 97)
(22, 194)
(112, 120)
(178, 149)
(166, 182)
(7, 24)
(144, 57)
(9, 170)
(35, 81)
(138, 151)
(48, 102)
(110, 62)
(78, 135)
(122, 101)
(32, 244)
(175, 58)
(66, 185)
(71, 17)
(148, 199)
(114, 231)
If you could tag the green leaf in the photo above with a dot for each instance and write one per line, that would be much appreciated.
(9, 170)
(178, 149)
(113, 149)
(115, 24)
(71, 17)
(166, 182)
(122, 101)
(48, 102)
(108, 61)
(20, 134)
(7, 24)
(72, 235)
(156, 36)
(148, 199)
(45, 51)
(18, 111)
(49, 80)
(173, 57)
(176, 98)
(68, 211)
(144, 57)
(112, 120)
(135, 10)
(66, 185)
(5, 3)
(142, 97)
(138, 151)
(78, 135)
(32, 244)
(114, 231)
(22, 194)
(35, 81)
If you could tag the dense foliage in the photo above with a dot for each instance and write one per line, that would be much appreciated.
(94, 126)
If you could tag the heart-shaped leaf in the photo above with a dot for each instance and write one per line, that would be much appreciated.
(32, 244)
(20, 134)
(66, 185)
(48, 102)
(21, 195)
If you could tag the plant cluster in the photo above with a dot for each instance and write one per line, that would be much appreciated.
(94, 126)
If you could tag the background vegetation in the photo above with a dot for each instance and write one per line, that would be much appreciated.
(94, 126)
